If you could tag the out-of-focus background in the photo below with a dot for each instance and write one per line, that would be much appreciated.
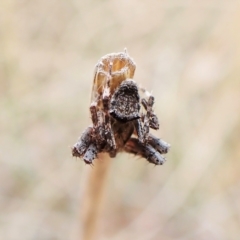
(187, 53)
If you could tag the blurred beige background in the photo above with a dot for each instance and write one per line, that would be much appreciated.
(187, 53)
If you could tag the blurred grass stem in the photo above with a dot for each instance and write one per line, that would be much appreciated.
(92, 203)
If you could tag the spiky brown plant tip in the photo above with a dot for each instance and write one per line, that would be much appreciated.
(117, 124)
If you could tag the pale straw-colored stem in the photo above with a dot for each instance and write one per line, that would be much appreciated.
(93, 197)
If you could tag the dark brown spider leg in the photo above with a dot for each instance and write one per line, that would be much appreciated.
(153, 156)
(139, 130)
(98, 124)
(109, 136)
(83, 143)
(93, 111)
(151, 116)
(158, 144)
(90, 154)
(146, 151)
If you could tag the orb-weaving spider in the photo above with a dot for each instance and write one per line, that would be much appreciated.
(117, 124)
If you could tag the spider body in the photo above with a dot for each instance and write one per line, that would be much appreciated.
(117, 124)
(124, 105)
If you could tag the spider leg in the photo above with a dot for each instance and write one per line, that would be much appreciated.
(109, 135)
(150, 119)
(139, 130)
(92, 139)
(144, 150)
(158, 144)
(151, 116)
(98, 125)
(90, 154)
(83, 143)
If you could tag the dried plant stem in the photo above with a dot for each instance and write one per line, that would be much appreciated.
(93, 197)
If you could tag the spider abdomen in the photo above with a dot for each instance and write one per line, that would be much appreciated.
(124, 105)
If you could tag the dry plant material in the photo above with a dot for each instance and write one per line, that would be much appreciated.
(121, 118)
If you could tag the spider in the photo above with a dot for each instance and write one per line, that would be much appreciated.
(117, 123)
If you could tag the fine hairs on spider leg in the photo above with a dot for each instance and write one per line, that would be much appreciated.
(117, 124)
